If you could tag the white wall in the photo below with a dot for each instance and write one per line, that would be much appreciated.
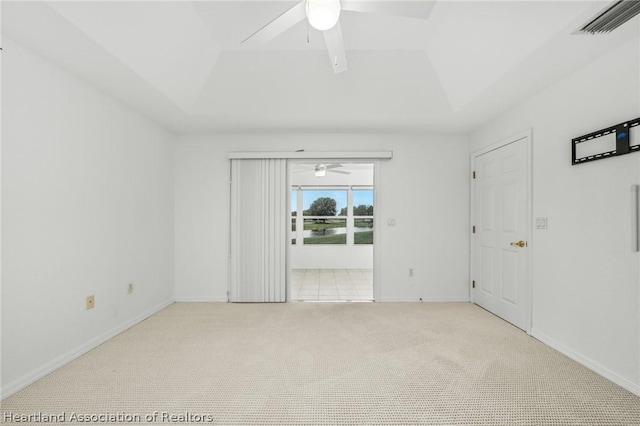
(335, 256)
(87, 208)
(331, 256)
(424, 187)
(585, 277)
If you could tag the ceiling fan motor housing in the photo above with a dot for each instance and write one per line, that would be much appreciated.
(323, 14)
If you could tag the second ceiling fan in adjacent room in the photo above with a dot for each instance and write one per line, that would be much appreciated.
(321, 170)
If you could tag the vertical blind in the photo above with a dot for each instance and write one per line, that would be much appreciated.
(258, 230)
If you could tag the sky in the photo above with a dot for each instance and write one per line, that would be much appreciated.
(360, 196)
(363, 196)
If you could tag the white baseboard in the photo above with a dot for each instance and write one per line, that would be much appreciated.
(435, 300)
(54, 364)
(590, 364)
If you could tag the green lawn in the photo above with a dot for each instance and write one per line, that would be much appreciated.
(359, 238)
(363, 237)
(320, 224)
(327, 239)
(363, 223)
(311, 224)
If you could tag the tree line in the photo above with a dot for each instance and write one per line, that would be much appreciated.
(326, 206)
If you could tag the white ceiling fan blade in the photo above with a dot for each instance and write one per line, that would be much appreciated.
(408, 9)
(342, 172)
(335, 46)
(279, 25)
(334, 166)
(304, 169)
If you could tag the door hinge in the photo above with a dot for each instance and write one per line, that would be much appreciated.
(473, 229)
(473, 284)
(474, 174)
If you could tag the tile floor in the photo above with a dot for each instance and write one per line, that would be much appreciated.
(332, 284)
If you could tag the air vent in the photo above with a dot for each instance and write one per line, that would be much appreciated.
(612, 17)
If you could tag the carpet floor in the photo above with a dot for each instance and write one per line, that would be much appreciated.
(324, 364)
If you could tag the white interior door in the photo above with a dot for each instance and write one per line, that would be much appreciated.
(500, 240)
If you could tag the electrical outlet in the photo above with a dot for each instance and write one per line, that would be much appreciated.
(410, 272)
(130, 288)
(90, 302)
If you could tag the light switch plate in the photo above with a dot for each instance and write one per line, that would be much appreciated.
(542, 223)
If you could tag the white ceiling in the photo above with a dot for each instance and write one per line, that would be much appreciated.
(181, 63)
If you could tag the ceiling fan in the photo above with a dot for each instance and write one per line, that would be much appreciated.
(321, 170)
(324, 16)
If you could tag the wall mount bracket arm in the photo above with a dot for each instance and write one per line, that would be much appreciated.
(623, 142)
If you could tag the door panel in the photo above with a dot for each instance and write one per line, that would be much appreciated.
(500, 197)
(510, 207)
(509, 277)
(486, 283)
(487, 208)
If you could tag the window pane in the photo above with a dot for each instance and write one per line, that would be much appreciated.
(293, 230)
(363, 231)
(294, 202)
(319, 202)
(363, 202)
(294, 213)
(325, 231)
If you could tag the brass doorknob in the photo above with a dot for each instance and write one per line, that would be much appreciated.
(519, 243)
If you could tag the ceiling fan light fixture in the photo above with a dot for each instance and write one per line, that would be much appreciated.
(323, 14)
(320, 170)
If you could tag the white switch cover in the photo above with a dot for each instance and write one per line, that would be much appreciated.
(391, 221)
(542, 223)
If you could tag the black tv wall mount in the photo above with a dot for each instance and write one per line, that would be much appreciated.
(623, 142)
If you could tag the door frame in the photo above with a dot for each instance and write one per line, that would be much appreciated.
(376, 235)
(528, 136)
(345, 156)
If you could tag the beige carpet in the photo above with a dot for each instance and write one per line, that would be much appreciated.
(328, 364)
